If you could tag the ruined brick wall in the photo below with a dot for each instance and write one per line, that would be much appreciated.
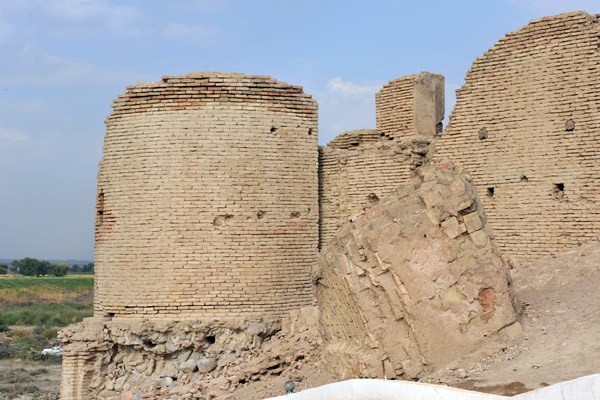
(360, 167)
(414, 282)
(526, 126)
(355, 174)
(412, 104)
(207, 199)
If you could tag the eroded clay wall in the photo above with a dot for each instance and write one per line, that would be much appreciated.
(526, 126)
(412, 104)
(207, 199)
(413, 282)
(355, 174)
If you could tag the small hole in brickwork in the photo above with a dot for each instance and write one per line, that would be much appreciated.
(372, 198)
(570, 125)
(483, 134)
(524, 178)
(210, 339)
(260, 214)
(111, 314)
(273, 129)
(222, 219)
(355, 144)
(295, 214)
(439, 128)
(100, 207)
(310, 131)
(490, 192)
(559, 190)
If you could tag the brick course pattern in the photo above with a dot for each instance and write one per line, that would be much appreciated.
(360, 167)
(353, 179)
(411, 105)
(526, 127)
(413, 282)
(207, 199)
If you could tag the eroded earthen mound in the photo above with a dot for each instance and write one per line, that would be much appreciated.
(413, 282)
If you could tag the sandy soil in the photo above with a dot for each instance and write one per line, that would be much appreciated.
(26, 380)
(560, 297)
(560, 304)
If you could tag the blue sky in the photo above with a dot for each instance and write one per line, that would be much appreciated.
(62, 62)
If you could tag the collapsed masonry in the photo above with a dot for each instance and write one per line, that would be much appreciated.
(413, 282)
(214, 201)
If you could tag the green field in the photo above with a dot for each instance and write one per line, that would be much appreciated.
(45, 301)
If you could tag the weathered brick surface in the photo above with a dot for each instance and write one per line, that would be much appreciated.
(412, 104)
(526, 127)
(207, 199)
(400, 293)
(355, 174)
(209, 206)
(359, 167)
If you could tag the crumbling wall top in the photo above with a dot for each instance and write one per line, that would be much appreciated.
(196, 89)
(412, 104)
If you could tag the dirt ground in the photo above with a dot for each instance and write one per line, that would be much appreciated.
(560, 297)
(560, 301)
(26, 380)
(560, 304)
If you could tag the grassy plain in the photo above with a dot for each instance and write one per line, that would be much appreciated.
(32, 310)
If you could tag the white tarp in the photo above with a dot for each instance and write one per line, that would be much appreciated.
(586, 388)
(379, 389)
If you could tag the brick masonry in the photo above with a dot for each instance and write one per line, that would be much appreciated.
(360, 167)
(413, 282)
(207, 199)
(359, 176)
(214, 198)
(526, 127)
(412, 104)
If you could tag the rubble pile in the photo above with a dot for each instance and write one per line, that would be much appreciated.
(184, 360)
(413, 282)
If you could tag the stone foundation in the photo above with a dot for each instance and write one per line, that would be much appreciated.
(106, 359)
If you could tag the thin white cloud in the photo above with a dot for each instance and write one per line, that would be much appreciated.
(551, 7)
(349, 88)
(197, 33)
(345, 105)
(13, 135)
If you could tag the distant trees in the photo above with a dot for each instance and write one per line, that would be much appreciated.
(59, 269)
(30, 267)
(34, 267)
(87, 268)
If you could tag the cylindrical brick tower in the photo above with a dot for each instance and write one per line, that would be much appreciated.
(207, 199)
